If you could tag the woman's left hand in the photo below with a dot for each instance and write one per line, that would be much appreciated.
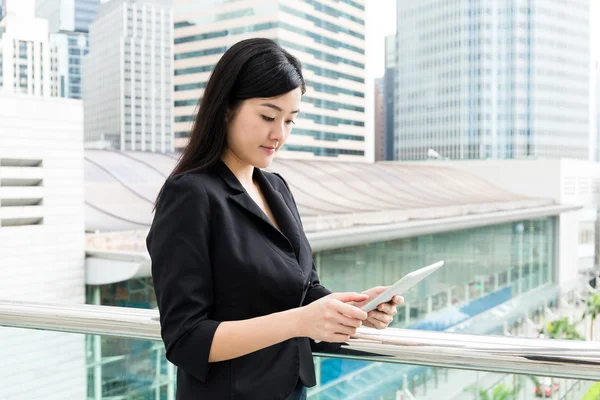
(381, 317)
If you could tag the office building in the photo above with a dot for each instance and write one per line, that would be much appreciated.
(493, 80)
(506, 253)
(41, 241)
(379, 120)
(68, 23)
(67, 15)
(128, 77)
(328, 36)
(24, 50)
(389, 94)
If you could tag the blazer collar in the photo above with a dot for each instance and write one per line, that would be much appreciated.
(281, 211)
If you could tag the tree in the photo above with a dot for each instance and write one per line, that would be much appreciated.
(561, 329)
(592, 309)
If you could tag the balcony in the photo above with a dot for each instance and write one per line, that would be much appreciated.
(398, 363)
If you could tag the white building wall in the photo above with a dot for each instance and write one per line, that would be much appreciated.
(42, 262)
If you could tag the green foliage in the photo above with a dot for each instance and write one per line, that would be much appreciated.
(500, 391)
(561, 329)
(593, 393)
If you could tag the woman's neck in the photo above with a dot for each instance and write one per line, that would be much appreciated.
(242, 171)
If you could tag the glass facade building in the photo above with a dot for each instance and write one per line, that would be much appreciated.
(68, 50)
(85, 14)
(485, 267)
(507, 79)
(326, 35)
(67, 15)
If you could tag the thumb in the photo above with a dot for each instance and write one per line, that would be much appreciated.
(350, 296)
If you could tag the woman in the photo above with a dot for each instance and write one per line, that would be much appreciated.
(237, 290)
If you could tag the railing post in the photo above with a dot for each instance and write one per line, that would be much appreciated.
(171, 377)
(157, 364)
(97, 350)
(520, 260)
(476, 385)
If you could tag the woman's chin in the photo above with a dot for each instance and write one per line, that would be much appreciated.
(263, 162)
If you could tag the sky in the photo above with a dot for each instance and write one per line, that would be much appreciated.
(380, 21)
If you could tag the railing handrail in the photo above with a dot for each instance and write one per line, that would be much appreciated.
(544, 357)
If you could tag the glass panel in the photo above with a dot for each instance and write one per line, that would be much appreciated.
(74, 366)
(352, 379)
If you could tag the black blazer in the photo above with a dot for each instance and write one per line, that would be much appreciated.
(217, 257)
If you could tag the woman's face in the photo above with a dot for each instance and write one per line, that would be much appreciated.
(260, 127)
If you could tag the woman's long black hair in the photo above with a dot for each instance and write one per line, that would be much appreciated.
(252, 68)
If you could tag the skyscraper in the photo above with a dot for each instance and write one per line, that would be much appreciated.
(128, 77)
(69, 22)
(389, 95)
(503, 79)
(67, 15)
(379, 120)
(24, 50)
(85, 14)
(326, 35)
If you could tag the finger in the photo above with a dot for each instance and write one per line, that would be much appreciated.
(341, 329)
(350, 310)
(380, 316)
(349, 296)
(387, 308)
(368, 324)
(344, 320)
(337, 338)
(377, 324)
(397, 300)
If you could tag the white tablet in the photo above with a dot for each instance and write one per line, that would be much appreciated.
(402, 285)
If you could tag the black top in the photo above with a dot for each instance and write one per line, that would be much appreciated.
(217, 257)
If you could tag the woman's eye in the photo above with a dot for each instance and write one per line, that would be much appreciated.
(289, 122)
(268, 119)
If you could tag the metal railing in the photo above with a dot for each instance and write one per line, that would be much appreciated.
(544, 357)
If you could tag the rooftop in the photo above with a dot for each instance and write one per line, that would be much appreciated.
(121, 188)
(342, 204)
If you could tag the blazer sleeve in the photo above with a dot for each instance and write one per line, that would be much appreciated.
(315, 289)
(178, 243)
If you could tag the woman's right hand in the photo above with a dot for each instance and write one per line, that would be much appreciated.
(331, 318)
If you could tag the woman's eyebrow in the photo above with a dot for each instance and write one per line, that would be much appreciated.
(274, 107)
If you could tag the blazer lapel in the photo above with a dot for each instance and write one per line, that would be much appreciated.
(281, 212)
